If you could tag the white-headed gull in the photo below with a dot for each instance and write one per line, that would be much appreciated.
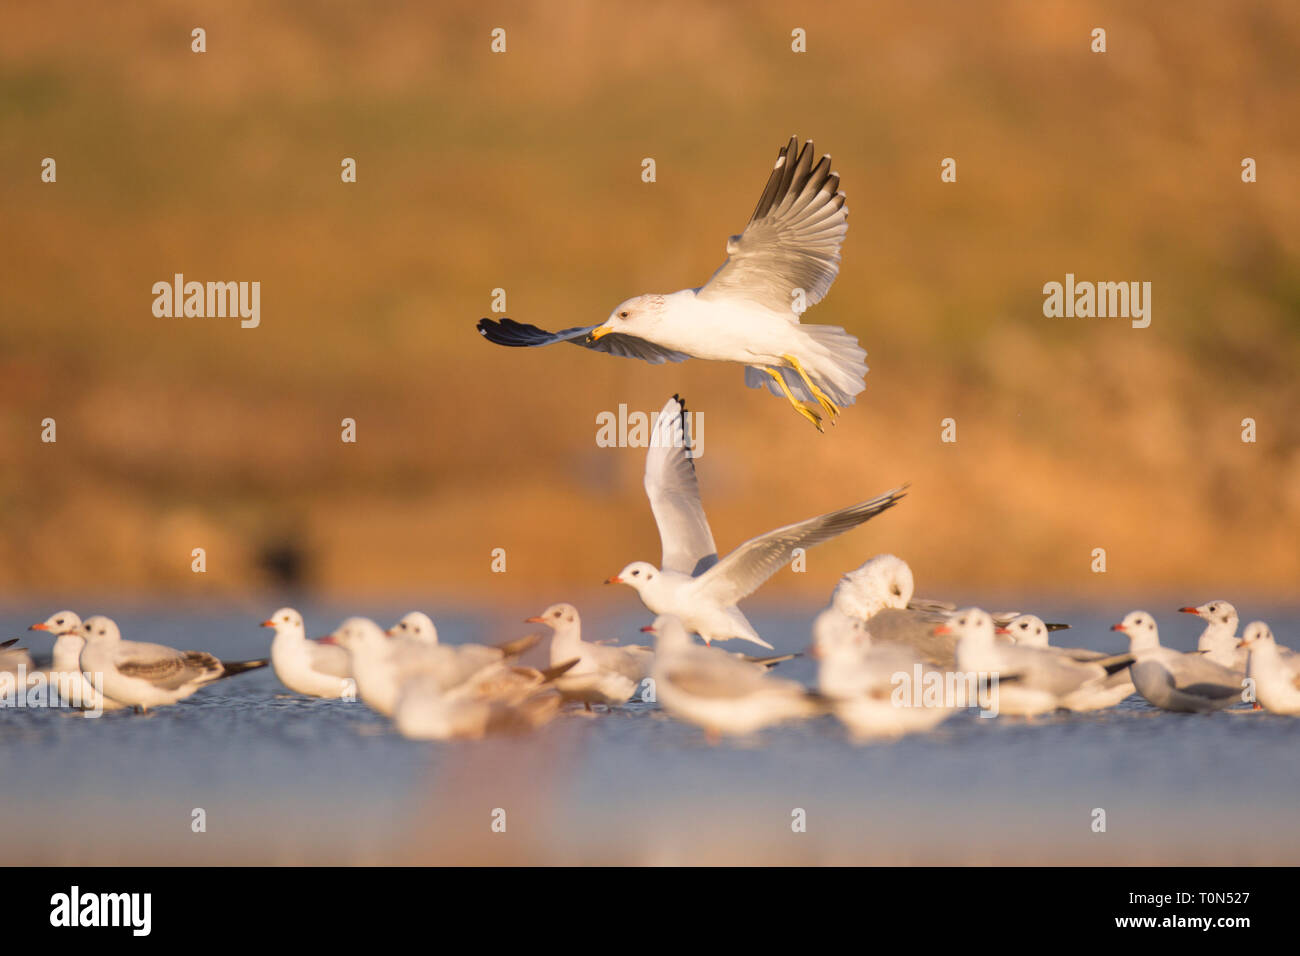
(786, 259)
(880, 592)
(380, 664)
(870, 686)
(417, 626)
(1028, 630)
(69, 641)
(306, 666)
(1274, 669)
(717, 691)
(499, 700)
(144, 676)
(1171, 680)
(693, 585)
(1218, 642)
(1030, 680)
(604, 674)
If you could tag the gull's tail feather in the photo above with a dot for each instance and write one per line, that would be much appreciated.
(833, 359)
(231, 668)
(837, 363)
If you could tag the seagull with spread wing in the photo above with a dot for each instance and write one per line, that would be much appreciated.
(748, 312)
(693, 584)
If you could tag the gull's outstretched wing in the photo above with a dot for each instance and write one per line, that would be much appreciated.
(518, 335)
(742, 571)
(793, 239)
(674, 494)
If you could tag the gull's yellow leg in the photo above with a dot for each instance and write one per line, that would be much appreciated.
(822, 398)
(807, 413)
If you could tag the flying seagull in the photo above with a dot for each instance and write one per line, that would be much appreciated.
(748, 312)
(693, 585)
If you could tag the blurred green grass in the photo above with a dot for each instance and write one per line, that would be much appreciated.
(522, 171)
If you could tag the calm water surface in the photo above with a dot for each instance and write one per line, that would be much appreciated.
(286, 779)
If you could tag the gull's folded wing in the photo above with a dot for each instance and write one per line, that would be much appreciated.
(518, 335)
(742, 571)
(329, 659)
(793, 238)
(167, 668)
(674, 494)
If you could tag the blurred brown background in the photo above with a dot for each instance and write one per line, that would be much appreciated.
(522, 171)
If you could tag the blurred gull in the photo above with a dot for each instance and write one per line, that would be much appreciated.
(603, 674)
(1030, 680)
(869, 686)
(717, 691)
(1218, 642)
(1274, 669)
(786, 259)
(880, 592)
(380, 664)
(1028, 630)
(149, 675)
(65, 670)
(505, 700)
(693, 584)
(306, 666)
(1171, 680)
(417, 626)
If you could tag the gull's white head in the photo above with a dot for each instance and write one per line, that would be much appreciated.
(884, 581)
(1256, 636)
(1143, 635)
(635, 316)
(558, 617)
(972, 624)
(287, 622)
(669, 632)
(837, 635)
(60, 622)
(418, 626)
(359, 635)
(100, 630)
(1027, 629)
(637, 575)
(1217, 614)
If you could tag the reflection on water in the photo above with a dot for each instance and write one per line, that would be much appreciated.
(284, 779)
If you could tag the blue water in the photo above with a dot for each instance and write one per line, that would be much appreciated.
(285, 779)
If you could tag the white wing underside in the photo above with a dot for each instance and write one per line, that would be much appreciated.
(674, 493)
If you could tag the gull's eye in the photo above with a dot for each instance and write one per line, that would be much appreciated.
(635, 573)
(623, 314)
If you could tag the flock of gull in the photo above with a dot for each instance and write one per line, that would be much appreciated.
(889, 664)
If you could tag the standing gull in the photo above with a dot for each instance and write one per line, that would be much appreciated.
(869, 687)
(880, 593)
(382, 664)
(786, 259)
(306, 666)
(1218, 641)
(717, 691)
(603, 674)
(693, 585)
(69, 641)
(1031, 680)
(149, 675)
(1274, 669)
(1171, 680)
